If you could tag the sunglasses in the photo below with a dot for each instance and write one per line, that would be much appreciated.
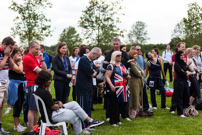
(138, 49)
(118, 55)
(116, 44)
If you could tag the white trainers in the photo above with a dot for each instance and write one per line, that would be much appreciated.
(127, 119)
(108, 119)
(154, 108)
(19, 128)
(165, 108)
(172, 112)
(114, 125)
(182, 116)
(85, 131)
(8, 110)
(119, 123)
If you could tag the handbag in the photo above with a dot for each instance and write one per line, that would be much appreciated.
(101, 75)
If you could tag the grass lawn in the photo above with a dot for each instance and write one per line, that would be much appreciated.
(162, 123)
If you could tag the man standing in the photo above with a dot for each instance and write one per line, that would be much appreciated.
(6, 48)
(142, 63)
(86, 70)
(32, 64)
(166, 56)
(47, 57)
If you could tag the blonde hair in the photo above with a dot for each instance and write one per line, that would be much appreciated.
(113, 57)
(188, 50)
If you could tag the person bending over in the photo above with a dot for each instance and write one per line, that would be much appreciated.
(70, 112)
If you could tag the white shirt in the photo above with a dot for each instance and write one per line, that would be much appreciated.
(167, 55)
(72, 62)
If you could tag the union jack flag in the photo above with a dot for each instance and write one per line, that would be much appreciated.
(120, 84)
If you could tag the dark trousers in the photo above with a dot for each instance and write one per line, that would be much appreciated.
(182, 95)
(199, 85)
(17, 107)
(106, 106)
(62, 90)
(194, 89)
(158, 84)
(174, 99)
(166, 67)
(145, 99)
(73, 93)
(85, 102)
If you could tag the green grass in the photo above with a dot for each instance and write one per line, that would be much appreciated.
(162, 123)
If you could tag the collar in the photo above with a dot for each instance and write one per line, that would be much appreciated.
(29, 54)
(167, 51)
(88, 57)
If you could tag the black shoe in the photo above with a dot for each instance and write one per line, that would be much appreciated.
(95, 123)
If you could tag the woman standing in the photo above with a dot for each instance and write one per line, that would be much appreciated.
(154, 81)
(62, 73)
(72, 59)
(194, 89)
(180, 83)
(16, 94)
(116, 77)
(155, 53)
(136, 84)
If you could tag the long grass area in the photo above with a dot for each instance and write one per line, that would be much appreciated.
(162, 123)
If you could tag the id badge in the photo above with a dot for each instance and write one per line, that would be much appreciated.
(151, 84)
(189, 83)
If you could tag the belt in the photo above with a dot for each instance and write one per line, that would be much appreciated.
(193, 75)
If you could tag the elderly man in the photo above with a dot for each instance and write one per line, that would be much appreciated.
(87, 70)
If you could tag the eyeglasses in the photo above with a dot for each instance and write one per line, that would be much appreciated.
(116, 44)
(138, 49)
(118, 55)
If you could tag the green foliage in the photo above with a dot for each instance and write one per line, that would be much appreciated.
(189, 29)
(99, 21)
(71, 37)
(138, 33)
(30, 24)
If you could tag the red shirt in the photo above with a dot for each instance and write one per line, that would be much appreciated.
(173, 60)
(30, 64)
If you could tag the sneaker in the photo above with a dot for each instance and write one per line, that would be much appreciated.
(85, 131)
(3, 132)
(119, 123)
(114, 125)
(165, 108)
(19, 128)
(127, 119)
(8, 110)
(172, 112)
(154, 108)
(22, 126)
(108, 119)
(27, 124)
(90, 129)
(182, 116)
(95, 123)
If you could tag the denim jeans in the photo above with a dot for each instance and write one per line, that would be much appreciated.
(62, 90)
(85, 101)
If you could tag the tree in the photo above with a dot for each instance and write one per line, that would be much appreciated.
(30, 24)
(99, 21)
(138, 33)
(71, 37)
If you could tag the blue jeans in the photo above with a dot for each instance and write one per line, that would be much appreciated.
(62, 90)
(85, 101)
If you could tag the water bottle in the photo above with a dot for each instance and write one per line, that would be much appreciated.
(167, 83)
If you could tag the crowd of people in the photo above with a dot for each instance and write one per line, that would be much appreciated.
(118, 76)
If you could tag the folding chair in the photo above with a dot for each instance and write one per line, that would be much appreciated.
(43, 126)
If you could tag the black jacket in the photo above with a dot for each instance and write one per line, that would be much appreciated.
(57, 66)
(124, 59)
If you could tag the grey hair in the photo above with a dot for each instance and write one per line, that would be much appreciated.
(96, 50)
(117, 39)
(32, 44)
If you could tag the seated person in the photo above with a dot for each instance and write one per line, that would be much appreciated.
(57, 112)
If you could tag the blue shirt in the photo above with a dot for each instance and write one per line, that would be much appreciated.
(47, 61)
(141, 62)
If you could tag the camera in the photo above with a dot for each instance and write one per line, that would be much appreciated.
(125, 74)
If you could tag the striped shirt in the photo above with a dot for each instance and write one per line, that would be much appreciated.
(4, 71)
(198, 63)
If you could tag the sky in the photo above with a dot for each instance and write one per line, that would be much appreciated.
(160, 16)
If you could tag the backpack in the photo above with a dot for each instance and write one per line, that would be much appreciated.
(198, 104)
(190, 111)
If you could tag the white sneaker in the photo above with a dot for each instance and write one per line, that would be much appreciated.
(108, 119)
(85, 131)
(165, 108)
(127, 119)
(114, 125)
(19, 128)
(182, 116)
(154, 108)
(8, 110)
(172, 112)
(22, 126)
(119, 123)
(90, 129)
